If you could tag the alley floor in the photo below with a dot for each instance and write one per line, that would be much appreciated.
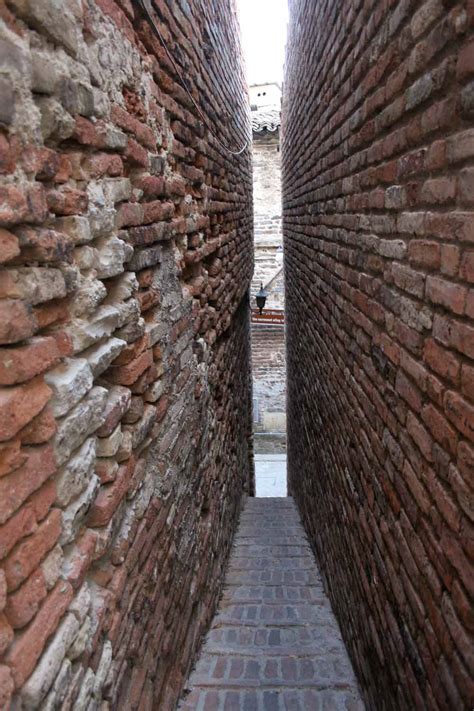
(274, 643)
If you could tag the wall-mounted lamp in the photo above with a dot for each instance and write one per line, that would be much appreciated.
(261, 297)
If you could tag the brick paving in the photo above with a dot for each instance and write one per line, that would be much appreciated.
(274, 644)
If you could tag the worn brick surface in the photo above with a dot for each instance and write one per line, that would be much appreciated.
(125, 258)
(273, 645)
(378, 229)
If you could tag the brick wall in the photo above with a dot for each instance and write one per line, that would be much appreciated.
(378, 182)
(124, 366)
(269, 377)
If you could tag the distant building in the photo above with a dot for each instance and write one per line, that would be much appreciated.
(268, 340)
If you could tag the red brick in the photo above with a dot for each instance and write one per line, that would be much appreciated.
(11, 457)
(450, 256)
(9, 246)
(3, 591)
(451, 296)
(41, 500)
(439, 191)
(42, 163)
(424, 254)
(129, 213)
(461, 413)
(100, 164)
(441, 361)
(466, 270)
(40, 429)
(470, 304)
(465, 459)
(20, 404)
(467, 381)
(80, 561)
(129, 123)
(134, 153)
(439, 428)
(132, 351)
(454, 334)
(420, 436)
(466, 186)
(21, 562)
(110, 496)
(152, 186)
(44, 245)
(24, 362)
(53, 312)
(86, 132)
(17, 527)
(24, 480)
(13, 205)
(156, 211)
(408, 391)
(465, 64)
(8, 155)
(67, 201)
(6, 634)
(16, 321)
(28, 646)
(462, 605)
(6, 686)
(129, 373)
(24, 603)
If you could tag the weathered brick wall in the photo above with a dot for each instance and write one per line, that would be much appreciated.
(269, 377)
(124, 366)
(378, 183)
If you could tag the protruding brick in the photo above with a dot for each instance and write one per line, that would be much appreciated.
(16, 321)
(19, 405)
(28, 554)
(24, 653)
(24, 362)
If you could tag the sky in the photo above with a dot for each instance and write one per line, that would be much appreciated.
(263, 25)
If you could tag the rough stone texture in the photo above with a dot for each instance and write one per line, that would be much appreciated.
(275, 643)
(378, 225)
(125, 418)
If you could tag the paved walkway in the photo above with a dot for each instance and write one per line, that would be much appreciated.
(274, 643)
(270, 475)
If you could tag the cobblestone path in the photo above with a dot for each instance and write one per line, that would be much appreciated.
(274, 643)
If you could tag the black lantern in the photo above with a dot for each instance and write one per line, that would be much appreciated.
(261, 298)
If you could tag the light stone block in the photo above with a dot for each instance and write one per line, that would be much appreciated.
(81, 603)
(85, 333)
(73, 477)
(101, 356)
(74, 515)
(52, 565)
(110, 256)
(109, 446)
(38, 284)
(69, 381)
(81, 422)
(79, 644)
(46, 670)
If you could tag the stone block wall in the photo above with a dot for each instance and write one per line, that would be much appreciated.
(125, 406)
(378, 198)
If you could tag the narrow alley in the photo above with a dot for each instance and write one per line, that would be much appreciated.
(274, 644)
(143, 385)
